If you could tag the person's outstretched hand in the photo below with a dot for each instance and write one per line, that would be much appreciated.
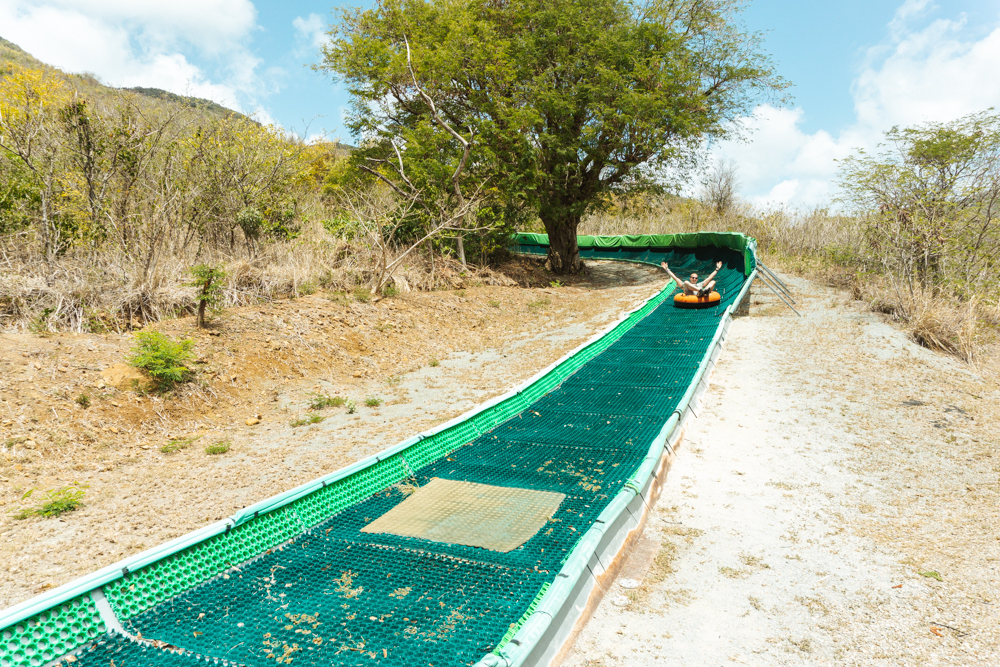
(718, 265)
(667, 268)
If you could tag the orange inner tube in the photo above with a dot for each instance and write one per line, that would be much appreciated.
(694, 301)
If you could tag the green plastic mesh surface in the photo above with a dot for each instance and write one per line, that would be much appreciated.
(302, 584)
(51, 634)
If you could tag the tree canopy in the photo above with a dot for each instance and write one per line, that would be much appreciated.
(564, 102)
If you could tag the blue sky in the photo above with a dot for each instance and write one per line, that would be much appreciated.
(858, 66)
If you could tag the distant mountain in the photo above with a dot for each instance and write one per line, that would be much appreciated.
(193, 102)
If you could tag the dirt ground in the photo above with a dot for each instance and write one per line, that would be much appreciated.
(836, 503)
(427, 356)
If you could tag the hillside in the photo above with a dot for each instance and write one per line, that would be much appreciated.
(88, 84)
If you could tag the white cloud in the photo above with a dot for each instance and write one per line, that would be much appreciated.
(782, 164)
(312, 30)
(143, 43)
(931, 74)
(935, 71)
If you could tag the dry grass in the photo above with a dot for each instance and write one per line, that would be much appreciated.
(101, 290)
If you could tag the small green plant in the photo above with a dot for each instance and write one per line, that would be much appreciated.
(351, 407)
(373, 401)
(393, 380)
(40, 325)
(556, 284)
(220, 447)
(537, 305)
(311, 418)
(389, 290)
(83, 401)
(318, 401)
(931, 574)
(177, 444)
(493, 303)
(55, 502)
(433, 363)
(362, 294)
(163, 358)
(460, 293)
(209, 280)
(384, 326)
(305, 289)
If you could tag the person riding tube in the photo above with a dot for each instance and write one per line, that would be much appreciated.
(693, 287)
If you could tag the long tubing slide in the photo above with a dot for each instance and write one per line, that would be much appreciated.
(304, 578)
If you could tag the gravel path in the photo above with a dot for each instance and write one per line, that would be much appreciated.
(836, 503)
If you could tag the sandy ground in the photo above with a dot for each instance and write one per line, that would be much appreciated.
(428, 357)
(837, 503)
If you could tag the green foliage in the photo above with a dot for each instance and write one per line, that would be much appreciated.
(565, 101)
(373, 401)
(389, 290)
(177, 444)
(351, 407)
(555, 284)
(362, 294)
(343, 227)
(433, 363)
(55, 502)
(83, 401)
(539, 304)
(163, 358)
(209, 281)
(220, 447)
(319, 401)
(20, 193)
(311, 418)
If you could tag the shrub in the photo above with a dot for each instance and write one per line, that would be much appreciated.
(209, 279)
(362, 294)
(83, 401)
(56, 502)
(163, 358)
(319, 401)
(177, 444)
(218, 448)
(311, 418)
(373, 401)
(351, 407)
(389, 290)
(433, 362)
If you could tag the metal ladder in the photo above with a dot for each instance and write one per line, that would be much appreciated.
(776, 285)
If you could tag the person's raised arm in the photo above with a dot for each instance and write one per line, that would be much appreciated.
(680, 283)
(718, 267)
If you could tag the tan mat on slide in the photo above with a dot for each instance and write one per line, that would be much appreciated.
(477, 515)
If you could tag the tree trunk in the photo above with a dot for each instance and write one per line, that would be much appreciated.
(461, 249)
(564, 253)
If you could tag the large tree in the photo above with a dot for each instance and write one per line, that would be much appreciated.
(563, 101)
